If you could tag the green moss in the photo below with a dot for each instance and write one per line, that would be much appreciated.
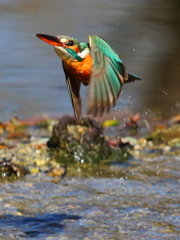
(165, 135)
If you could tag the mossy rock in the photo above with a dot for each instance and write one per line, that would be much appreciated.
(79, 139)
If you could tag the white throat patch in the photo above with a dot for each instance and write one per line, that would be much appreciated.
(84, 53)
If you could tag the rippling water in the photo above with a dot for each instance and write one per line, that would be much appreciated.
(138, 201)
(145, 34)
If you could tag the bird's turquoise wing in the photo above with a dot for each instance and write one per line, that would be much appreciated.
(73, 86)
(107, 77)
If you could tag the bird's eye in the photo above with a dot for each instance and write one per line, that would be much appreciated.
(70, 43)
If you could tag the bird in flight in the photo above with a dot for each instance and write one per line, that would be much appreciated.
(95, 64)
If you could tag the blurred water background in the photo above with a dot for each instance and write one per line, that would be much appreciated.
(146, 35)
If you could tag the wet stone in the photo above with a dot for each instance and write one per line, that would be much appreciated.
(81, 139)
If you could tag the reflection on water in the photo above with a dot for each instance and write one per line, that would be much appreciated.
(145, 35)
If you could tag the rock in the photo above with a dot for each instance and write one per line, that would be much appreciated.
(59, 172)
(82, 139)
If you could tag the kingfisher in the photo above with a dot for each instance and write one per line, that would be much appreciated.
(95, 64)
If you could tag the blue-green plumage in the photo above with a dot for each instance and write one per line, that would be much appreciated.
(107, 76)
(74, 54)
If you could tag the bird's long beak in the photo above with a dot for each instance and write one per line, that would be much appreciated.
(50, 39)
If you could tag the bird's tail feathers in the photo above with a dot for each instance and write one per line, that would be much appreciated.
(132, 78)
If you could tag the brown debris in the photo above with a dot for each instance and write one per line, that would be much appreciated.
(58, 172)
(10, 169)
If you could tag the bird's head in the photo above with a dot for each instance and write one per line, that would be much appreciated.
(67, 48)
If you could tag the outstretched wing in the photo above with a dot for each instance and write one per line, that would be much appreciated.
(107, 77)
(73, 86)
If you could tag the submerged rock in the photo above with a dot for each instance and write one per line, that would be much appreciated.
(83, 139)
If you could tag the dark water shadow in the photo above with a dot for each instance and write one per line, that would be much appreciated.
(36, 226)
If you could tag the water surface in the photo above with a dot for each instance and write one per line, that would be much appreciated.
(135, 201)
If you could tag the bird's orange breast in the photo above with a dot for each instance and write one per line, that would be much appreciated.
(80, 70)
